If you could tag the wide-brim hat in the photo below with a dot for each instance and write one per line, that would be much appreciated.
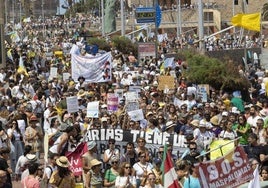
(81, 77)
(263, 113)
(203, 123)
(63, 162)
(31, 157)
(258, 104)
(81, 93)
(91, 145)
(195, 122)
(170, 124)
(95, 162)
(214, 120)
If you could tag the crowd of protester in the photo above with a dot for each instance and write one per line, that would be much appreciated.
(29, 100)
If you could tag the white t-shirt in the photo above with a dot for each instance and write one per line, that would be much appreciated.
(110, 154)
(121, 181)
(228, 135)
(140, 168)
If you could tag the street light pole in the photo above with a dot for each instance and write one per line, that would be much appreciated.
(179, 18)
(102, 18)
(43, 19)
(123, 28)
(200, 24)
(20, 13)
(2, 43)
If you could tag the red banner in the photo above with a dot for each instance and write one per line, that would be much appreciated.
(75, 159)
(229, 171)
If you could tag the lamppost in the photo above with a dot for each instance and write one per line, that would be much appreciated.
(179, 18)
(123, 28)
(102, 18)
(200, 24)
(2, 46)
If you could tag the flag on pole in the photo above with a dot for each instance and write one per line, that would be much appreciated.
(169, 177)
(247, 21)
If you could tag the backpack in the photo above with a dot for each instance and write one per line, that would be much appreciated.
(53, 138)
(38, 110)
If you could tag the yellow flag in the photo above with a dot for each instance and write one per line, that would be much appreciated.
(222, 150)
(248, 21)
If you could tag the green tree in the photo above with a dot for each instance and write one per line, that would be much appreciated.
(220, 75)
(124, 45)
(101, 42)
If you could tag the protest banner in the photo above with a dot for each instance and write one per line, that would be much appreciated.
(72, 104)
(92, 68)
(166, 82)
(66, 76)
(122, 137)
(203, 92)
(136, 89)
(131, 106)
(136, 115)
(131, 96)
(119, 93)
(93, 109)
(53, 72)
(146, 49)
(76, 160)
(229, 171)
(112, 102)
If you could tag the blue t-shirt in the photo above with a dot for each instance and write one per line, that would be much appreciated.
(191, 182)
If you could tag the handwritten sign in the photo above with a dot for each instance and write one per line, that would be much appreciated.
(112, 102)
(166, 82)
(136, 115)
(93, 109)
(72, 104)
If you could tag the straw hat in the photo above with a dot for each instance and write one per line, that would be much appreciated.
(95, 162)
(258, 104)
(170, 124)
(63, 162)
(31, 157)
(214, 120)
(195, 122)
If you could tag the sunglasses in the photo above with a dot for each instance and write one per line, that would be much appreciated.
(160, 152)
(192, 148)
(111, 142)
(114, 162)
(127, 167)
